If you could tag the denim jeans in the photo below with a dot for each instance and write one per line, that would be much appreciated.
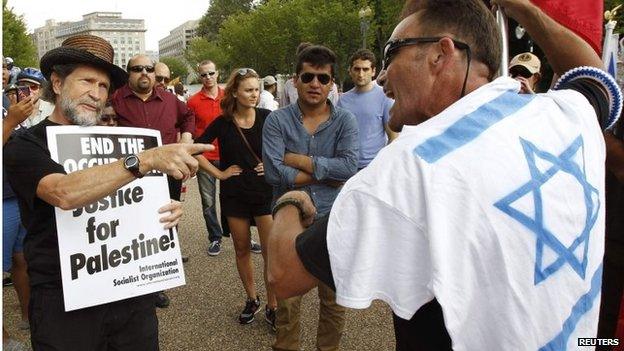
(208, 191)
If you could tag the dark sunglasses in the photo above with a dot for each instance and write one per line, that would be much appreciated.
(392, 48)
(211, 73)
(522, 72)
(163, 78)
(307, 77)
(244, 71)
(140, 68)
(108, 118)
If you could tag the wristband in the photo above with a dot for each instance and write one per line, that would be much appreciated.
(288, 201)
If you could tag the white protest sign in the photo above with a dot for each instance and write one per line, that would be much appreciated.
(115, 248)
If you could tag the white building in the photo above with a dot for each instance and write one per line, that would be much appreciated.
(178, 40)
(127, 36)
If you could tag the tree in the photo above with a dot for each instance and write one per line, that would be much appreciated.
(177, 67)
(218, 12)
(16, 43)
(611, 4)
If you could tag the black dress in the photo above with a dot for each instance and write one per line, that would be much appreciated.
(247, 194)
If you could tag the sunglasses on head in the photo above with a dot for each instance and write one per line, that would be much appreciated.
(163, 79)
(210, 73)
(140, 68)
(307, 77)
(244, 71)
(522, 72)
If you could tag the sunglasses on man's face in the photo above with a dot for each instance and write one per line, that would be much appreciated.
(307, 77)
(33, 87)
(522, 72)
(161, 79)
(108, 118)
(209, 73)
(140, 68)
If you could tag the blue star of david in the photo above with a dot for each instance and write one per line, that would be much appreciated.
(563, 163)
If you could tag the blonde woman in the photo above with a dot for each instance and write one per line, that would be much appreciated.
(244, 192)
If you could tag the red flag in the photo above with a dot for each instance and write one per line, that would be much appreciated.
(584, 17)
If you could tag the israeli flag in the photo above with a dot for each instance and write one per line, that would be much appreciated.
(610, 50)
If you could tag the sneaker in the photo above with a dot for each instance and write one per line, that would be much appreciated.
(162, 300)
(255, 247)
(269, 317)
(214, 248)
(7, 281)
(251, 308)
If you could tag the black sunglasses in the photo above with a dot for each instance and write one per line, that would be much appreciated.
(107, 118)
(163, 78)
(307, 77)
(392, 47)
(522, 72)
(140, 68)
(211, 73)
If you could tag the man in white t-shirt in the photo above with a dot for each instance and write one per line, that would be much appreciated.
(267, 96)
(480, 231)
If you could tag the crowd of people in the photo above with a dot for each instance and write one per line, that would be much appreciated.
(411, 188)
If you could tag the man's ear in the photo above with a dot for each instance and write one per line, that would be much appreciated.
(57, 83)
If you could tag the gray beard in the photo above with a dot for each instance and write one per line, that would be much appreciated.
(69, 109)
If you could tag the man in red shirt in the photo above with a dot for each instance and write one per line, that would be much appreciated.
(206, 106)
(140, 104)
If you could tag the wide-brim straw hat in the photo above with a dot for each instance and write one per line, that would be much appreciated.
(85, 49)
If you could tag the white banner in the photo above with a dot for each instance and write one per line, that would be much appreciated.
(115, 248)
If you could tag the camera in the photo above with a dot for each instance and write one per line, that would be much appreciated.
(22, 93)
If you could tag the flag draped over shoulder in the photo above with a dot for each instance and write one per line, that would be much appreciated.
(584, 17)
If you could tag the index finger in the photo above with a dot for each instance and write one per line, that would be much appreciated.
(198, 149)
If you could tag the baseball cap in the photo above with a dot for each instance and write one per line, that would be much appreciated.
(528, 61)
(269, 80)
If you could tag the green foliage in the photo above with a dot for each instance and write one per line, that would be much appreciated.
(177, 67)
(16, 43)
(265, 37)
(218, 12)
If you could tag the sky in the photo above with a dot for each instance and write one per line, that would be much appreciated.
(160, 16)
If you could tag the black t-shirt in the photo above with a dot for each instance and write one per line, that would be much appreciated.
(26, 161)
(311, 248)
(233, 151)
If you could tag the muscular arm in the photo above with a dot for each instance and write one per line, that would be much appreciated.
(563, 48)
(70, 191)
(287, 275)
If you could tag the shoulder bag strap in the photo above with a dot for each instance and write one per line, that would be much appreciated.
(245, 141)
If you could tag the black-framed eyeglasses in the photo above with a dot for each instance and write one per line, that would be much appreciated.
(209, 73)
(163, 79)
(392, 47)
(140, 68)
(307, 77)
(244, 71)
(108, 117)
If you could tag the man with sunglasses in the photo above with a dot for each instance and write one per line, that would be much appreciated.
(525, 68)
(163, 75)
(482, 224)
(313, 146)
(140, 104)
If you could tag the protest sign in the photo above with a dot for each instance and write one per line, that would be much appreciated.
(114, 248)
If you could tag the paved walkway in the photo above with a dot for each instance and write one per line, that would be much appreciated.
(203, 313)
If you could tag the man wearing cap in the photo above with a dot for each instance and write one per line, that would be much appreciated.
(267, 96)
(33, 79)
(525, 68)
(81, 75)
